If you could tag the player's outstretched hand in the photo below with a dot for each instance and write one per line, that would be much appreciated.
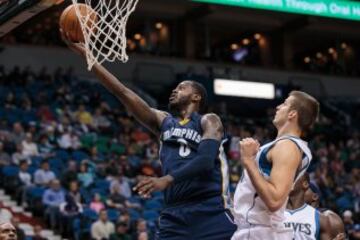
(248, 149)
(152, 184)
(76, 47)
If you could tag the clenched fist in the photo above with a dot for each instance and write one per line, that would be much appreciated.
(248, 150)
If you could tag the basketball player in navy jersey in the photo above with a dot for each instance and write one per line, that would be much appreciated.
(307, 221)
(194, 167)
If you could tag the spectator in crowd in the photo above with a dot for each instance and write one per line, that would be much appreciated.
(85, 176)
(5, 215)
(46, 149)
(119, 201)
(52, 199)
(74, 191)
(70, 174)
(96, 204)
(83, 116)
(69, 210)
(18, 156)
(44, 175)
(37, 233)
(141, 230)
(352, 228)
(19, 232)
(26, 183)
(4, 156)
(29, 147)
(18, 134)
(121, 232)
(102, 228)
(122, 184)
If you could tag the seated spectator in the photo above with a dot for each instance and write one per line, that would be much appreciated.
(37, 233)
(125, 219)
(18, 156)
(122, 183)
(18, 134)
(52, 199)
(352, 228)
(121, 232)
(45, 147)
(141, 233)
(99, 121)
(69, 140)
(118, 201)
(19, 232)
(4, 156)
(70, 174)
(74, 191)
(96, 204)
(102, 228)
(83, 116)
(25, 182)
(5, 215)
(29, 147)
(69, 210)
(85, 177)
(44, 175)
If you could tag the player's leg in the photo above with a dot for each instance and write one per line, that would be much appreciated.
(172, 225)
(261, 233)
(213, 225)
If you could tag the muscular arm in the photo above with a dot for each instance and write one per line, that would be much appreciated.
(285, 157)
(149, 117)
(207, 150)
(335, 223)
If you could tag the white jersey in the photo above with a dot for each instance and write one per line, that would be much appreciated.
(304, 221)
(249, 210)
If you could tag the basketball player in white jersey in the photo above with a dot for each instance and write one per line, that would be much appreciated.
(307, 222)
(271, 170)
(312, 197)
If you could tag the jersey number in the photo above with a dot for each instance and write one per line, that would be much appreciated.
(184, 150)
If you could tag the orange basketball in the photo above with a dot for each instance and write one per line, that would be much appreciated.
(70, 23)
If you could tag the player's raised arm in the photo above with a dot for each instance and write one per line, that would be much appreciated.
(285, 157)
(149, 117)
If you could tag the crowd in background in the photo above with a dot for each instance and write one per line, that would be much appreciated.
(73, 154)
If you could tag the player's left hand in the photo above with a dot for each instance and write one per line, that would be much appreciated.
(152, 184)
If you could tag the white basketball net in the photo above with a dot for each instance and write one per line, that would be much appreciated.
(105, 38)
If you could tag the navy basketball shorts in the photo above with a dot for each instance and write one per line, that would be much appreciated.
(205, 220)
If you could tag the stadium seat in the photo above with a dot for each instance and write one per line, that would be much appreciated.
(10, 171)
(79, 156)
(90, 214)
(153, 205)
(134, 214)
(113, 214)
(150, 215)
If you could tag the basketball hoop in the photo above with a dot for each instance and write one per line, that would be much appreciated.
(105, 38)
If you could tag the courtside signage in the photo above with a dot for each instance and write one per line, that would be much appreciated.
(326, 8)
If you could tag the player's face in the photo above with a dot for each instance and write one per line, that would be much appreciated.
(311, 198)
(7, 232)
(282, 112)
(181, 96)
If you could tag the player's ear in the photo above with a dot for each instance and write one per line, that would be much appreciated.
(196, 97)
(293, 114)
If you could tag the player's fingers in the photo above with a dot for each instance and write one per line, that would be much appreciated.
(147, 193)
(145, 188)
(142, 183)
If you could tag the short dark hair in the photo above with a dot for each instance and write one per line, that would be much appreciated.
(307, 107)
(200, 89)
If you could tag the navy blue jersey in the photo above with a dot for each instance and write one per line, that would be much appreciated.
(179, 143)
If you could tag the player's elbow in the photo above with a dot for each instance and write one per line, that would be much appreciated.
(274, 205)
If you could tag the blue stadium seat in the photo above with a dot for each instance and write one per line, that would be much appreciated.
(153, 205)
(103, 184)
(150, 215)
(134, 214)
(10, 171)
(79, 156)
(63, 155)
(90, 214)
(36, 192)
(113, 214)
